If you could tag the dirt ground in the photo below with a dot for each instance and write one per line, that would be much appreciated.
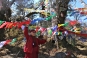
(47, 50)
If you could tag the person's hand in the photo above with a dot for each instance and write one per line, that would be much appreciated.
(41, 36)
(26, 25)
(45, 37)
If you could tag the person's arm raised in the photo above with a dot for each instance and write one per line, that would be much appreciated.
(26, 31)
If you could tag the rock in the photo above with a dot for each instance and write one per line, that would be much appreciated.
(60, 55)
(3, 52)
(53, 52)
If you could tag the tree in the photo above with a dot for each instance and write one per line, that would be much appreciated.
(61, 8)
(21, 4)
(12, 8)
(5, 10)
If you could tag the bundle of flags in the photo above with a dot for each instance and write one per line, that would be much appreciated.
(7, 42)
(19, 24)
(81, 11)
(13, 24)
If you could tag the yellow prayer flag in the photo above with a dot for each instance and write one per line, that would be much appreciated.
(59, 25)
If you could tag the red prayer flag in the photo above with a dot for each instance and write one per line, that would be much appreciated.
(11, 25)
(37, 28)
(15, 24)
(7, 25)
(4, 24)
(27, 22)
(20, 24)
(73, 23)
(7, 42)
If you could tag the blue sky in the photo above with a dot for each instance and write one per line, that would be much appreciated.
(36, 1)
(79, 4)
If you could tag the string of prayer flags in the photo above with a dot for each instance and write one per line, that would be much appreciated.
(85, 13)
(81, 9)
(14, 24)
(73, 13)
(33, 10)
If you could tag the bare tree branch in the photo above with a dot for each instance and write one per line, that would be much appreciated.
(83, 2)
(12, 3)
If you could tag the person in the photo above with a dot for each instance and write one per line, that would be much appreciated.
(31, 47)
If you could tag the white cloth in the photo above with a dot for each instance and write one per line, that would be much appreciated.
(2, 44)
(22, 27)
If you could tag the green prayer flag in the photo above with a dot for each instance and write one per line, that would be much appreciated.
(66, 24)
(13, 41)
(1, 22)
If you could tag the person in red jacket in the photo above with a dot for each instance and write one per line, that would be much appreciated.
(31, 47)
